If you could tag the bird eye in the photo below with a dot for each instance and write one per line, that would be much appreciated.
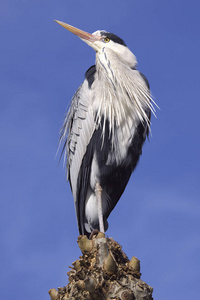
(106, 40)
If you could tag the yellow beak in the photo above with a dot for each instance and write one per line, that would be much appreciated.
(80, 33)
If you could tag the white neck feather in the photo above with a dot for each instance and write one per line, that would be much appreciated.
(122, 90)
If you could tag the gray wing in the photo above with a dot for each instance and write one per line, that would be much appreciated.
(76, 133)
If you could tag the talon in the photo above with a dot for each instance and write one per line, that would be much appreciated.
(93, 233)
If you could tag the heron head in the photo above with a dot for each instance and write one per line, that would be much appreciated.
(102, 39)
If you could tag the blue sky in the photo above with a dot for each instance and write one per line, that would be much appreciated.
(158, 217)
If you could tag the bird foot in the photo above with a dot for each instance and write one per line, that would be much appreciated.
(93, 233)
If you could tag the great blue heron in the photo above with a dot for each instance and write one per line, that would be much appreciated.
(105, 128)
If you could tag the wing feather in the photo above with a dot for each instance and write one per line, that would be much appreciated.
(77, 131)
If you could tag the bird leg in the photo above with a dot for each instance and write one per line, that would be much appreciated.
(98, 193)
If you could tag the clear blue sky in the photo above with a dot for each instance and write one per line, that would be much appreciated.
(41, 66)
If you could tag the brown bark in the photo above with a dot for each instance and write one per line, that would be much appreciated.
(104, 272)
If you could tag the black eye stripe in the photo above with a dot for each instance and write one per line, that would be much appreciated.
(113, 38)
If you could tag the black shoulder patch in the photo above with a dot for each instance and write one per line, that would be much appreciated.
(113, 37)
(89, 75)
(145, 79)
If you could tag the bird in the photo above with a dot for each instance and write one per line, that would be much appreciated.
(104, 129)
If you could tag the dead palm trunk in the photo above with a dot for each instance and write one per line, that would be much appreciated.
(104, 272)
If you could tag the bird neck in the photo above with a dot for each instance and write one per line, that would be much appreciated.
(124, 93)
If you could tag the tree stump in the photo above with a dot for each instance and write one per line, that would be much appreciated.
(104, 272)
